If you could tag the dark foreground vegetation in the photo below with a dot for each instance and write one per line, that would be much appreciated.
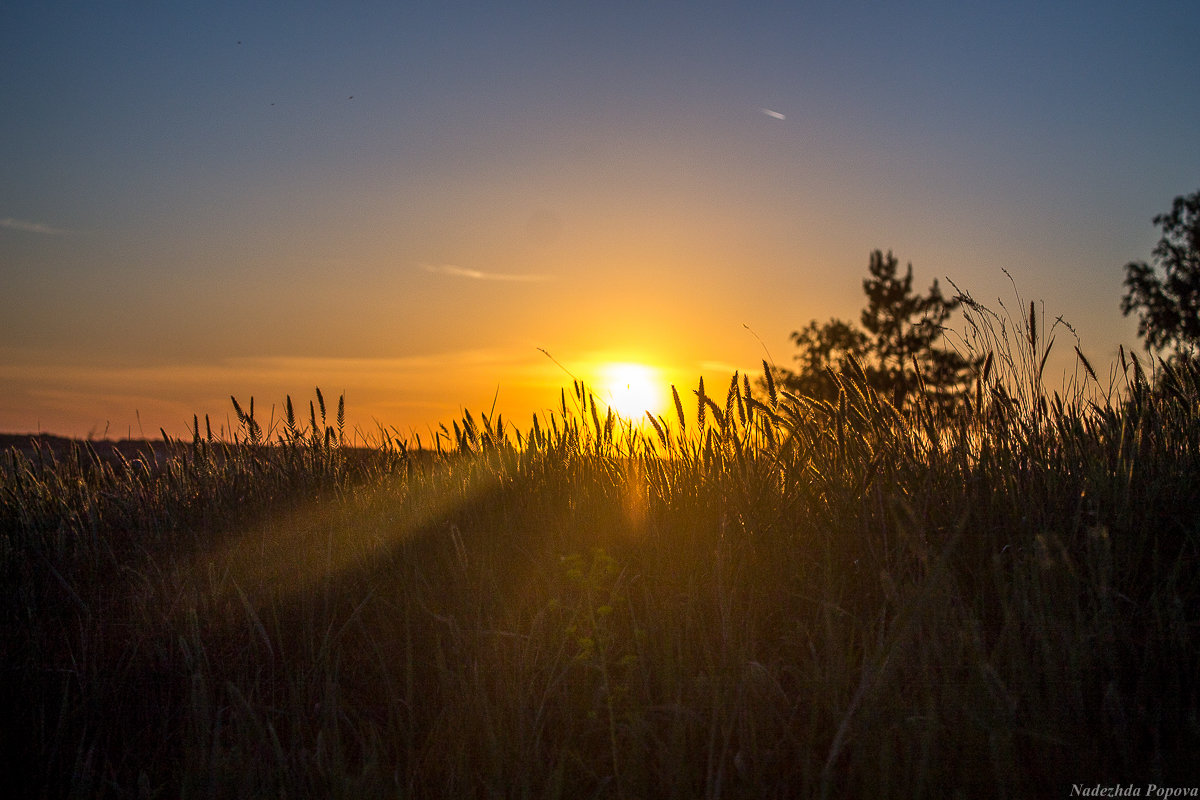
(762, 596)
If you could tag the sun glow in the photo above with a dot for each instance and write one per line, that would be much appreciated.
(631, 390)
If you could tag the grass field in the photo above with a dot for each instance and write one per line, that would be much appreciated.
(759, 596)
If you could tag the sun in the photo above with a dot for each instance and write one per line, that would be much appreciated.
(631, 390)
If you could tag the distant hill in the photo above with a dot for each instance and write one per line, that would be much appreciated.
(59, 446)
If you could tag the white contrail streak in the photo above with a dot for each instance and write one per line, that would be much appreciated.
(479, 275)
(30, 227)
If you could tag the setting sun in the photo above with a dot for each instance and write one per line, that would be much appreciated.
(632, 389)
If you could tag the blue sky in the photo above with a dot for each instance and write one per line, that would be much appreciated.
(405, 201)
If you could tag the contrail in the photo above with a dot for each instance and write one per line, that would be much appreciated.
(479, 275)
(773, 114)
(31, 227)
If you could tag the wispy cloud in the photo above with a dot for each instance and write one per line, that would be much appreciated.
(31, 227)
(480, 275)
(260, 370)
(773, 114)
(408, 390)
(717, 366)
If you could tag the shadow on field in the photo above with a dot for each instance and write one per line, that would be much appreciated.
(316, 632)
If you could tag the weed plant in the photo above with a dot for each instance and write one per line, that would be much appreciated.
(757, 595)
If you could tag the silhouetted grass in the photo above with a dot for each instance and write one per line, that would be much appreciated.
(772, 597)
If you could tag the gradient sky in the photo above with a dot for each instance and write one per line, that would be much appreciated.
(404, 201)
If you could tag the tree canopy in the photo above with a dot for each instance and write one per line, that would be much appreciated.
(1166, 295)
(896, 345)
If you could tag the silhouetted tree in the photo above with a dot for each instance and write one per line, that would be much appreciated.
(1168, 305)
(896, 346)
(824, 348)
(905, 328)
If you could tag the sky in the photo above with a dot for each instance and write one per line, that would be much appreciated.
(431, 207)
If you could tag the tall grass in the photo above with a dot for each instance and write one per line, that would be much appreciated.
(767, 596)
